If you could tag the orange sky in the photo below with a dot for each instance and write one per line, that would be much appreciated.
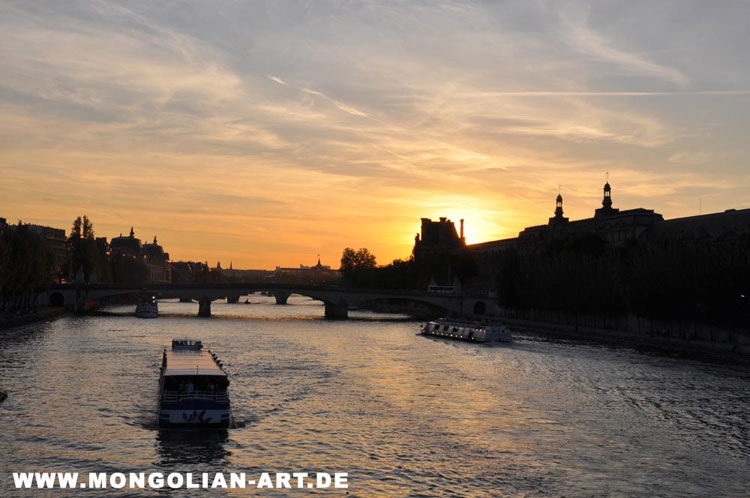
(267, 133)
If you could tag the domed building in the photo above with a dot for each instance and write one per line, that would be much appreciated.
(157, 261)
(152, 255)
(126, 246)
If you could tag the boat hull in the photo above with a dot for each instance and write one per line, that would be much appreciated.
(194, 418)
(147, 310)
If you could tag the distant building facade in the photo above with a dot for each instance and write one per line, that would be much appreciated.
(613, 225)
(129, 246)
(243, 275)
(185, 272)
(306, 274)
(152, 255)
(435, 249)
(55, 244)
(157, 262)
(438, 236)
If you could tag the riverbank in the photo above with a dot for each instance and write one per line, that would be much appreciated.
(43, 314)
(693, 348)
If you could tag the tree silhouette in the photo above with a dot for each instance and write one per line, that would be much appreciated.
(83, 249)
(25, 267)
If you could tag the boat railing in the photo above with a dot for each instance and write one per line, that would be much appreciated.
(203, 395)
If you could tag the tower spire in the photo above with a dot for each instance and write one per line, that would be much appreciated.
(558, 219)
(607, 200)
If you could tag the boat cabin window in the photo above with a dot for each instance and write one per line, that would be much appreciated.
(203, 383)
(186, 344)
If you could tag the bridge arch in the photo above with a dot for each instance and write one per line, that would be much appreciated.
(56, 299)
(480, 308)
(337, 306)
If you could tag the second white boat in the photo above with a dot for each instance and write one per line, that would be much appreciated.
(466, 331)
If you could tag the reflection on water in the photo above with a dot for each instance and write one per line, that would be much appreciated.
(178, 446)
(404, 415)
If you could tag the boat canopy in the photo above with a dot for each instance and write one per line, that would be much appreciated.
(191, 362)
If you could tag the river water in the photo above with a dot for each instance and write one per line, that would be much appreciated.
(404, 415)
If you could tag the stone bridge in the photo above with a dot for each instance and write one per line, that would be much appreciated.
(337, 300)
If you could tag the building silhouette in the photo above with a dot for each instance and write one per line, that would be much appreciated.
(157, 262)
(55, 244)
(610, 223)
(317, 273)
(151, 254)
(438, 236)
(129, 246)
(185, 272)
(440, 244)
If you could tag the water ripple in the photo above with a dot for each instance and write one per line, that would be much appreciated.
(403, 414)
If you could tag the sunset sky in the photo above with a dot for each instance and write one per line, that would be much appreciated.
(265, 133)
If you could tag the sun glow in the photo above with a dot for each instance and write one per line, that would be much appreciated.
(483, 219)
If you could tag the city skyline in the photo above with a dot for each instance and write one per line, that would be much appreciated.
(265, 134)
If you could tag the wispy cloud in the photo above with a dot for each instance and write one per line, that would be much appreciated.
(277, 80)
(583, 38)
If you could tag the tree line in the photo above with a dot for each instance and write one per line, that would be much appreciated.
(655, 277)
(359, 269)
(659, 278)
(91, 259)
(25, 267)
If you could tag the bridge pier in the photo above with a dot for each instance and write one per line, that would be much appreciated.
(337, 311)
(79, 305)
(204, 307)
(233, 299)
(281, 297)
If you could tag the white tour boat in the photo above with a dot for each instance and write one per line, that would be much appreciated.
(147, 308)
(475, 332)
(192, 387)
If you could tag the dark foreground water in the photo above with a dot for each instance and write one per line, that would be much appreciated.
(404, 415)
